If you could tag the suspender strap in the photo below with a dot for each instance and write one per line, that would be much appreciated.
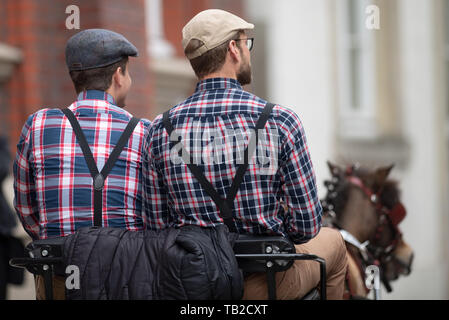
(196, 171)
(82, 142)
(99, 177)
(224, 205)
(238, 179)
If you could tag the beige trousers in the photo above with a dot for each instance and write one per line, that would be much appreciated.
(304, 275)
(58, 288)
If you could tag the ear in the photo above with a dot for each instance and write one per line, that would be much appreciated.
(334, 169)
(381, 174)
(234, 51)
(117, 77)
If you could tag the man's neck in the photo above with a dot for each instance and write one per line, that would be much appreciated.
(112, 93)
(221, 74)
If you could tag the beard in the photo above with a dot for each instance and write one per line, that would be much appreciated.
(244, 74)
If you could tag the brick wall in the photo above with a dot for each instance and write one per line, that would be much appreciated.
(4, 125)
(42, 80)
(178, 12)
(4, 128)
(128, 18)
(38, 29)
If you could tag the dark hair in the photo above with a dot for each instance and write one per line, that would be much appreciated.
(210, 61)
(98, 78)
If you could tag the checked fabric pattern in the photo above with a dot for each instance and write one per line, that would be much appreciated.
(209, 123)
(53, 186)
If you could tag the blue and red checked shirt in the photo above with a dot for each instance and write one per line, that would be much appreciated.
(52, 183)
(209, 122)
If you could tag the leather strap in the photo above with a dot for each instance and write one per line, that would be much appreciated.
(99, 177)
(271, 283)
(48, 282)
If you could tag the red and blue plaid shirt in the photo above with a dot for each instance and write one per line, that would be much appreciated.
(52, 183)
(220, 108)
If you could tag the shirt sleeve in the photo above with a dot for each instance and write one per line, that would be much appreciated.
(155, 196)
(303, 217)
(25, 200)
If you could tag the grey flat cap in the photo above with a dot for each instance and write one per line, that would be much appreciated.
(95, 48)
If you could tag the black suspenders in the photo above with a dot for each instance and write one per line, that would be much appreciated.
(99, 177)
(224, 205)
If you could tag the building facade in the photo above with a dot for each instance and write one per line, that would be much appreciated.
(373, 96)
(370, 95)
(39, 78)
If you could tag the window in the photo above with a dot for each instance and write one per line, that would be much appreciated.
(356, 71)
(158, 46)
(173, 78)
(369, 122)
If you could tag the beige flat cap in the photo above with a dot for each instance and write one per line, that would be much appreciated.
(212, 27)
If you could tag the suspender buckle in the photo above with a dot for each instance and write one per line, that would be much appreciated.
(99, 182)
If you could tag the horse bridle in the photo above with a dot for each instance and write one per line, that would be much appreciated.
(391, 216)
(386, 216)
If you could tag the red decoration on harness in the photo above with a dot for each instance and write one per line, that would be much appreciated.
(397, 214)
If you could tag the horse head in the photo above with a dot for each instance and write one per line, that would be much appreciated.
(367, 207)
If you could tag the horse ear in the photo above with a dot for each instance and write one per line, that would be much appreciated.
(382, 174)
(334, 169)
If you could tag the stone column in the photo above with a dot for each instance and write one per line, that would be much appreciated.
(9, 57)
(158, 46)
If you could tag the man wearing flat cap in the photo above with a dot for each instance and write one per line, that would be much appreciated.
(199, 191)
(80, 166)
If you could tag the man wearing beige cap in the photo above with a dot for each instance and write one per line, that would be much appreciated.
(212, 186)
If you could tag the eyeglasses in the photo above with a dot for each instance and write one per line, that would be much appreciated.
(249, 42)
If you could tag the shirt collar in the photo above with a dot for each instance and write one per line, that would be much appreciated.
(218, 83)
(96, 95)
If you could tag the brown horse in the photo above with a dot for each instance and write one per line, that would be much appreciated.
(366, 207)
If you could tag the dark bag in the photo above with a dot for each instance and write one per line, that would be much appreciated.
(200, 265)
(170, 264)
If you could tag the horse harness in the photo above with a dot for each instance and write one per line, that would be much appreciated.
(369, 253)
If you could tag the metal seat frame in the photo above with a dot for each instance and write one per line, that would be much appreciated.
(272, 254)
(253, 253)
(45, 258)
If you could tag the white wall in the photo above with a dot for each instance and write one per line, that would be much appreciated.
(424, 176)
(299, 69)
(301, 66)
